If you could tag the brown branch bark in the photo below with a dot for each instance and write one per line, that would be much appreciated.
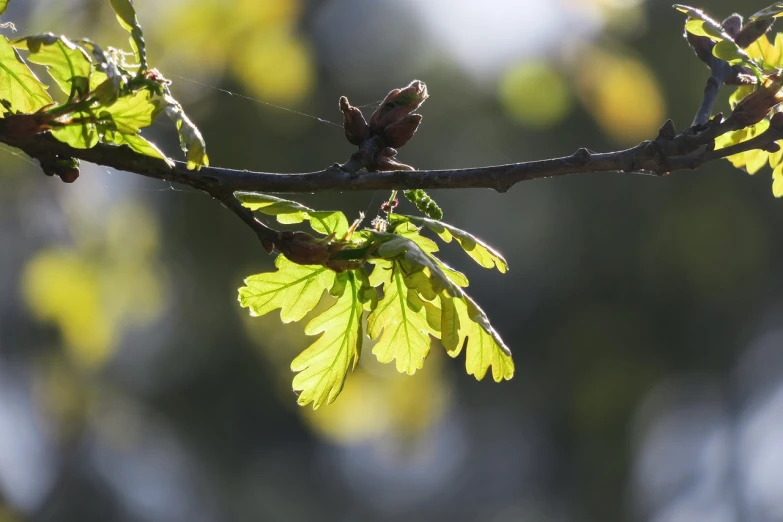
(668, 152)
(664, 154)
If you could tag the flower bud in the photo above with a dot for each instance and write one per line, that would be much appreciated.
(356, 128)
(398, 104)
(398, 134)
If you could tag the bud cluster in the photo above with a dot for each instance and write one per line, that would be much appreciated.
(390, 127)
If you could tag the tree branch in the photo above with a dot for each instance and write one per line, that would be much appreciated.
(665, 154)
(669, 151)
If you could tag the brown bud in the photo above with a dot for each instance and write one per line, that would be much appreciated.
(303, 249)
(755, 106)
(732, 25)
(388, 152)
(398, 134)
(397, 105)
(667, 130)
(69, 175)
(387, 163)
(356, 128)
(772, 147)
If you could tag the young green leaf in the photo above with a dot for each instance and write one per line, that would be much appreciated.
(706, 29)
(190, 138)
(483, 346)
(67, 63)
(399, 323)
(479, 251)
(81, 133)
(729, 52)
(137, 143)
(295, 289)
(394, 247)
(131, 113)
(290, 212)
(322, 367)
(126, 15)
(769, 54)
(18, 85)
(752, 160)
(450, 325)
(3, 6)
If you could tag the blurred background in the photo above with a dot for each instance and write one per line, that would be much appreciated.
(644, 313)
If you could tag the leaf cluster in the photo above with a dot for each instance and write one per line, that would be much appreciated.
(388, 272)
(108, 95)
(748, 48)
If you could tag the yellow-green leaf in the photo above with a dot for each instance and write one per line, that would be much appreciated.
(131, 113)
(3, 6)
(400, 325)
(290, 212)
(295, 289)
(18, 85)
(450, 325)
(702, 28)
(67, 64)
(80, 134)
(323, 366)
(137, 143)
(770, 54)
(484, 348)
(729, 52)
(479, 251)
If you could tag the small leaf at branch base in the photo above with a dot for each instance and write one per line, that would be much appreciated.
(18, 85)
(295, 289)
(67, 64)
(290, 212)
(138, 144)
(322, 367)
(400, 324)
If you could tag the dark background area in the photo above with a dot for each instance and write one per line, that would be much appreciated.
(644, 313)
